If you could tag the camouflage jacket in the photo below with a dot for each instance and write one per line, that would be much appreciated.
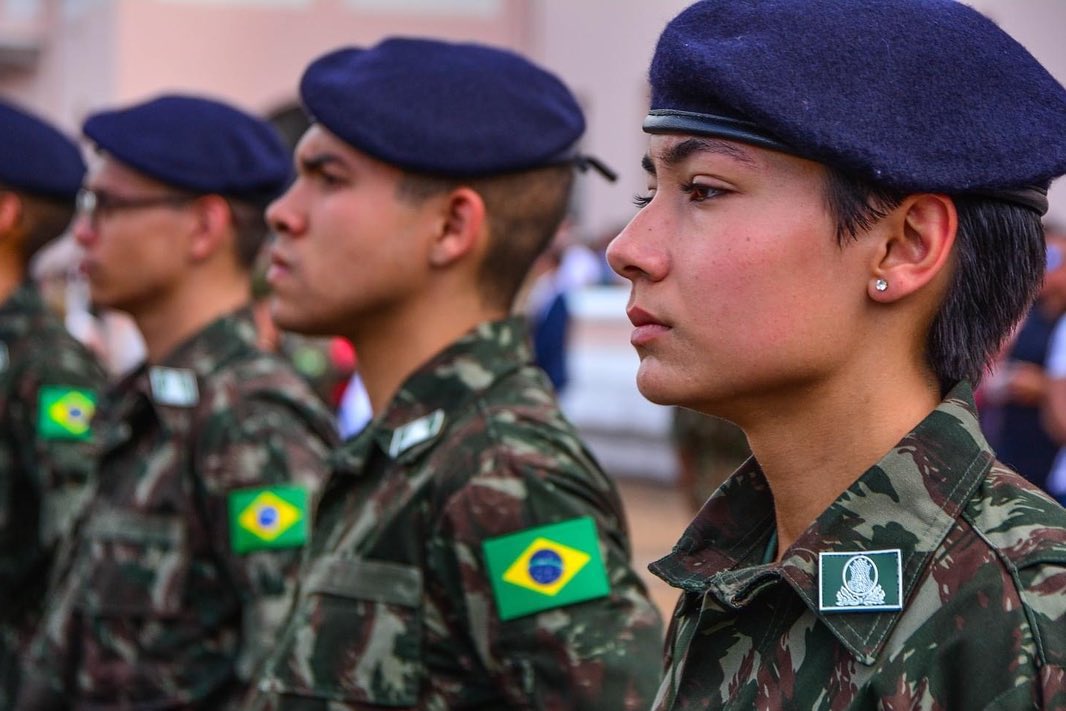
(159, 606)
(973, 555)
(397, 606)
(45, 461)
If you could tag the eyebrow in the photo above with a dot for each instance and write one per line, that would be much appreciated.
(315, 163)
(680, 152)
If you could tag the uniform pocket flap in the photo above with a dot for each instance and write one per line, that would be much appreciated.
(364, 579)
(134, 527)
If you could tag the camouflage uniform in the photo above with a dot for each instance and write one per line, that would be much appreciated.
(396, 607)
(155, 610)
(709, 449)
(983, 619)
(44, 475)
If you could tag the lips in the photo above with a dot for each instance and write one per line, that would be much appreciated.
(279, 266)
(646, 326)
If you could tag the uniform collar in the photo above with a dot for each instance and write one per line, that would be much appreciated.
(201, 355)
(23, 300)
(908, 501)
(419, 411)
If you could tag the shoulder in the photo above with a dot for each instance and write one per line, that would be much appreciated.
(49, 354)
(257, 397)
(1026, 531)
(513, 456)
(1021, 523)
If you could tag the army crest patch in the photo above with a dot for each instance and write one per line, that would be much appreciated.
(861, 581)
(65, 413)
(268, 517)
(546, 567)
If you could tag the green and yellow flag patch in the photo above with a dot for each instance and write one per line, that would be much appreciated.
(65, 413)
(546, 567)
(268, 517)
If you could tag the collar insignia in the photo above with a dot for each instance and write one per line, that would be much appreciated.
(860, 581)
(416, 432)
(174, 386)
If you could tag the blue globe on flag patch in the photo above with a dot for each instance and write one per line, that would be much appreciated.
(545, 566)
(268, 516)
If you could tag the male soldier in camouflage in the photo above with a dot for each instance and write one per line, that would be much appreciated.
(209, 452)
(468, 553)
(843, 224)
(49, 383)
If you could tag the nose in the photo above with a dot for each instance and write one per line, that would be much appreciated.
(83, 229)
(636, 252)
(283, 216)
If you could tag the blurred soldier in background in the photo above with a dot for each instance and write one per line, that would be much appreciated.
(49, 383)
(708, 450)
(211, 451)
(468, 553)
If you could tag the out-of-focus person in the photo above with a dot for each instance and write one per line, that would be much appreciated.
(210, 452)
(708, 450)
(841, 228)
(1017, 388)
(49, 383)
(468, 553)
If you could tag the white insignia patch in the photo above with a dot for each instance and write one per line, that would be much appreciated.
(416, 432)
(174, 386)
(860, 581)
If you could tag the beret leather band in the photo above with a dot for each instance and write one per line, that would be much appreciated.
(690, 122)
(675, 121)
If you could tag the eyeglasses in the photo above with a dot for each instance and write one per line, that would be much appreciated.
(93, 203)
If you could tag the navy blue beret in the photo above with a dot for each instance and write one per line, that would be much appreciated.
(197, 144)
(914, 95)
(434, 107)
(37, 158)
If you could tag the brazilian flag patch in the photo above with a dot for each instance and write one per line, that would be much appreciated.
(65, 413)
(546, 567)
(268, 517)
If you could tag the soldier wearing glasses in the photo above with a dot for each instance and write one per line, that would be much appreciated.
(49, 383)
(210, 452)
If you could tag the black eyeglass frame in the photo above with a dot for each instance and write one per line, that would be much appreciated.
(93, 203)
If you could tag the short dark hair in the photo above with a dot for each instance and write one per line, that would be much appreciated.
(524, 212)
(44, 219)
(250, 229)
(998, 267)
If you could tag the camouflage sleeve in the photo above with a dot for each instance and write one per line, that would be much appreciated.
(599, 653)
(57, 395)
(262, 464)
(1044, 595)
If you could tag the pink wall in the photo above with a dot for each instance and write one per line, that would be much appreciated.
(254, 52)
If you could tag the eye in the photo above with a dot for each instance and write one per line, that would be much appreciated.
(641, 200)
(698, 192)
(330, 180)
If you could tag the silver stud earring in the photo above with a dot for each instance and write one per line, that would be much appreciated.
(881, 285)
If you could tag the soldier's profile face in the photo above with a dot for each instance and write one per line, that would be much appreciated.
(134, 238)
(348, 250)
(739, 287)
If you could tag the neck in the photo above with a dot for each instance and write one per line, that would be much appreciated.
(813, 444)
(12, 274)
(392, 347)
(168, 324)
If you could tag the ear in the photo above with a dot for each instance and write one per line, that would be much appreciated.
(463, 228)
(916, 248)
(10, 213)
(211, 228)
